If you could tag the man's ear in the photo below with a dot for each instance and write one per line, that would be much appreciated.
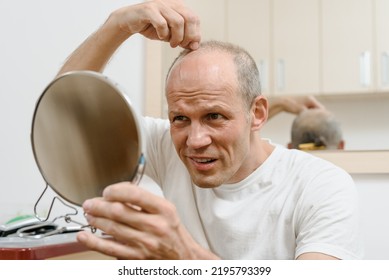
(259, 112)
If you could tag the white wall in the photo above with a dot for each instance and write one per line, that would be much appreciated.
(36, 38)
(374, 211)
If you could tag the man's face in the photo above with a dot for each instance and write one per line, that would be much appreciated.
(210, 124)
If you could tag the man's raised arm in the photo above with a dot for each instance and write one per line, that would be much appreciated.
(167, 20)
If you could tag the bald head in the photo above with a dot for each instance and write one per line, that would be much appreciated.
(245, 69)
(317, 126)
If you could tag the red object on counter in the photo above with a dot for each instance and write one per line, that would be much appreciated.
(39, 249)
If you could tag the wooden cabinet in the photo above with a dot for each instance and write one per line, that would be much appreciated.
(283, 38)
(328, 47)
(295, 33)
(382, 45)
(248, 25)
(347, 46)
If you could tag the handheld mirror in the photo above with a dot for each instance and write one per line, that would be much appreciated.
(85, 136)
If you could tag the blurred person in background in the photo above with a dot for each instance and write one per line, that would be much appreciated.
(316, 129)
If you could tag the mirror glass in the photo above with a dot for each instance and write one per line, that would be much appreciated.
(85, 136)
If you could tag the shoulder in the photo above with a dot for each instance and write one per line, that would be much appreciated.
(325, 212)
(313, 173)
(155, 124)
(159, 149)
(155, 131)
(323, 182)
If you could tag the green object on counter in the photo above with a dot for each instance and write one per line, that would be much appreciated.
(19, 218)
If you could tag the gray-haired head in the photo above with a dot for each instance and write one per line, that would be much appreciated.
(246, 68)
(316, 126)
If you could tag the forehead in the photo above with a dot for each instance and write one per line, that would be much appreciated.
(202, 69)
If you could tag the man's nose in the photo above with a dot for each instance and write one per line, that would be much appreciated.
(198, 136)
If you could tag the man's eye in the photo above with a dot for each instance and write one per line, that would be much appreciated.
(179, 118)
(214, 116)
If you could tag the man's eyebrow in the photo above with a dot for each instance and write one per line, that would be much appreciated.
(175, 113)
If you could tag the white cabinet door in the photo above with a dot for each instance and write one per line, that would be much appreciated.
(296, 47)
(382, 44)
(347, 45)
(248, 25)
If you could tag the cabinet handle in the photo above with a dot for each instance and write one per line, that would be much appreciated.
(280, 74)
(262, 68)
(385, 68)
(364, 62)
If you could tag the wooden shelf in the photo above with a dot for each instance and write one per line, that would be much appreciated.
(358, 162)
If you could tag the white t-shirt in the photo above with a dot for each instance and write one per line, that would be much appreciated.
(293, 203)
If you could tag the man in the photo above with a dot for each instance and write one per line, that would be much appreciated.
(316, 129)
(227, 193)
